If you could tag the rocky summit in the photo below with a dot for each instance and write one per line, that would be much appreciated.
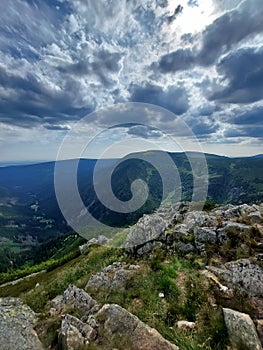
(183, 279)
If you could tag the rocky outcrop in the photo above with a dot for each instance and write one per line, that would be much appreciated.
(147, 229)
(241, 330)
(77, 298)
(112, 276)
(110, 326)
(127, 331)
(16, 326)
(225, 234)
(101, 240)
(242, 275)
(179, 228)
(74, 333)
(203, 236)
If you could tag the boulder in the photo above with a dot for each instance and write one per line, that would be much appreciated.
(225, 233)
(16, 326)
(74, 334)
(242, 275)
(121, 329)
(255, 218)
(148, 248)
(199, 218)
(112, 276)
(80, 300)
(228, 212)
(203, 236)
(241, 330)
(148, 228)
(101, 240)
(179, 231)
(183, 248)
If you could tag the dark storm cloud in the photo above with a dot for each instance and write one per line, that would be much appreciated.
(246, 124)
(181, 59)
(254, 116)
(101, 65)
(243, 71)
(173, 98)
(218, 38)
(203, 126)
(29, 101)
(205, 110)
(204, 129)
(250, 131)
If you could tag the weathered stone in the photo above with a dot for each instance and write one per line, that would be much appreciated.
(69, 337)
(186, 325)
(101, 240)
(228, 212)
(242, 275)
(179, 232)
(80, 299)
(255, 218)
(183, 248)
(148, 228)
(199, 218)
(112, 276)
(259, 325)
(118, 327)
(16, 326)
(57, 302)
(241, 330)
(74, 333)
(225, 233)
(149, 247)
(203, 236)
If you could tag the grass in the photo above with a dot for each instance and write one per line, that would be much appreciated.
(185, 292)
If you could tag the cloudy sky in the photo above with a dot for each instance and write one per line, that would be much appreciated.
(61, 60)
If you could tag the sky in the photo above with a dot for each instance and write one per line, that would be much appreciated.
(65, 60)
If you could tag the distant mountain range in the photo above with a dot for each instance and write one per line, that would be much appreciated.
(31, 222)
(231, 180)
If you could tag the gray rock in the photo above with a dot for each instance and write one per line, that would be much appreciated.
(179, 231)
(228, 212)
(242, 275)
(241, 330)
(57, 302)
(74, 333)
(112, 276)
(259, 325)
(255, 218)
(101, 240)
(80, 300)
(148, 228)
(16, 326)
(149, 247)
(200, 218)
(121, 329)
(203, 236)
(183, 248)
(186, 324)
(247, 210)
(224, 233)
